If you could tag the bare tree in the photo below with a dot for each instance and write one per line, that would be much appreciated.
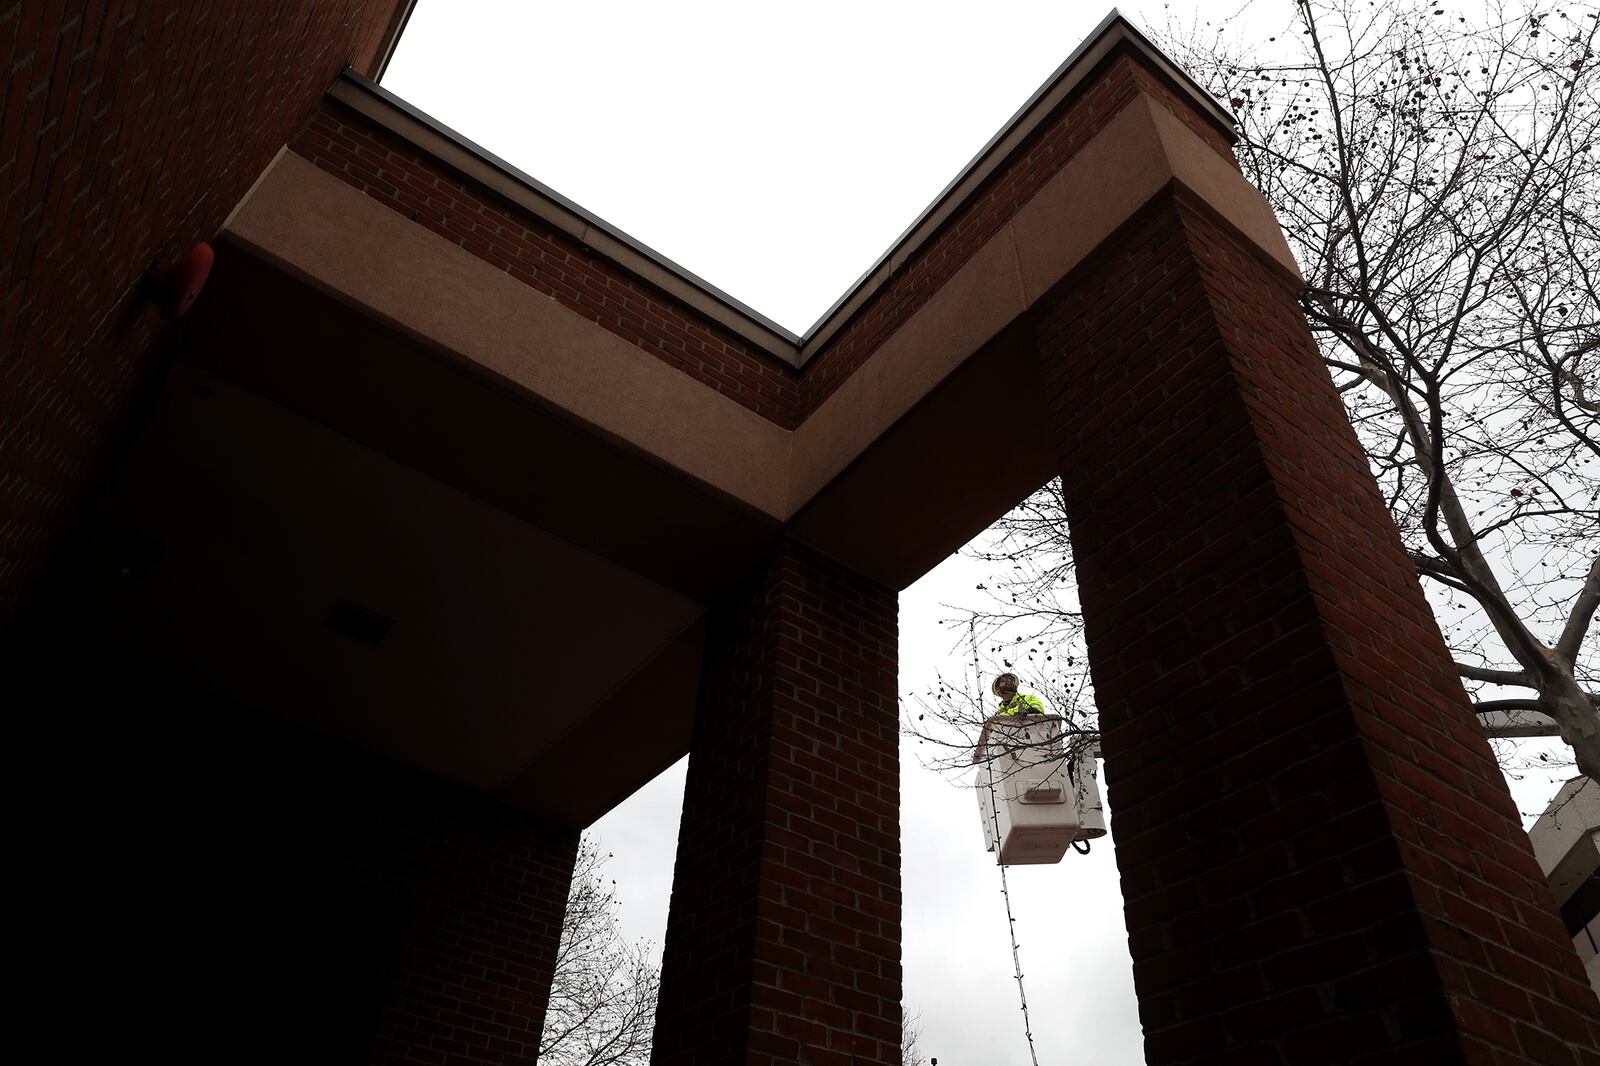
(1435, 172)
(603, 997)
(910, 1033)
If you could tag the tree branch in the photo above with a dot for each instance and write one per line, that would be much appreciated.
(1582, 614)
(1497, 677)
(1507, 705)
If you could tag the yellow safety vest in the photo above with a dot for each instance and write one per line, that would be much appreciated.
(1021, 703)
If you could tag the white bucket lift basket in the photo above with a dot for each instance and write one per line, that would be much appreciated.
(1033, 808)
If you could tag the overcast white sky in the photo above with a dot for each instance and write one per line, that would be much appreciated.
(777, 151)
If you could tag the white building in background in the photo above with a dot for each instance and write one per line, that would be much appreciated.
(1566, 841)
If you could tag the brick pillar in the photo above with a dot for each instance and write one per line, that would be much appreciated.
(783, 941)
(368, 913)
(324, 905)
(1319, 858)
(471, 979)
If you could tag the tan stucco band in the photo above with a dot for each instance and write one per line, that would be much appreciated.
(329, 233)
(338, 239)
(969, 309)
(1138, 154)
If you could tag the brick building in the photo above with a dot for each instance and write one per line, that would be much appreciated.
(317, 598)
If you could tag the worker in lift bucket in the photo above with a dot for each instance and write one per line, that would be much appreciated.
(1012, 701)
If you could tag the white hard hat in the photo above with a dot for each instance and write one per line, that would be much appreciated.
(995, 688)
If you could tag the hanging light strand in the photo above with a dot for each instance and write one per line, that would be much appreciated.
(1005, 889)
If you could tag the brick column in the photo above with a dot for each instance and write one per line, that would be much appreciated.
(341, 908)
(471, 979)
(783, 941)
(1319, 858)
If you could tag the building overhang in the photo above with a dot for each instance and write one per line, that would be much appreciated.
(405, 408)
(1566, 840)
(325, 232)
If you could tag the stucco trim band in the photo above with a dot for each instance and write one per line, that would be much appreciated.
(330, 234)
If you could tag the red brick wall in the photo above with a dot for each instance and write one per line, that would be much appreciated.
(401, 177)
(783, 942)
(1320, 862)
(127, 132)
(1097, 100)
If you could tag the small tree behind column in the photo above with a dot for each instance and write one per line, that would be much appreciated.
(603, 997)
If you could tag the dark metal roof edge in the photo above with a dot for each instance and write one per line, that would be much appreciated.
(391, 37)
(786, 338)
